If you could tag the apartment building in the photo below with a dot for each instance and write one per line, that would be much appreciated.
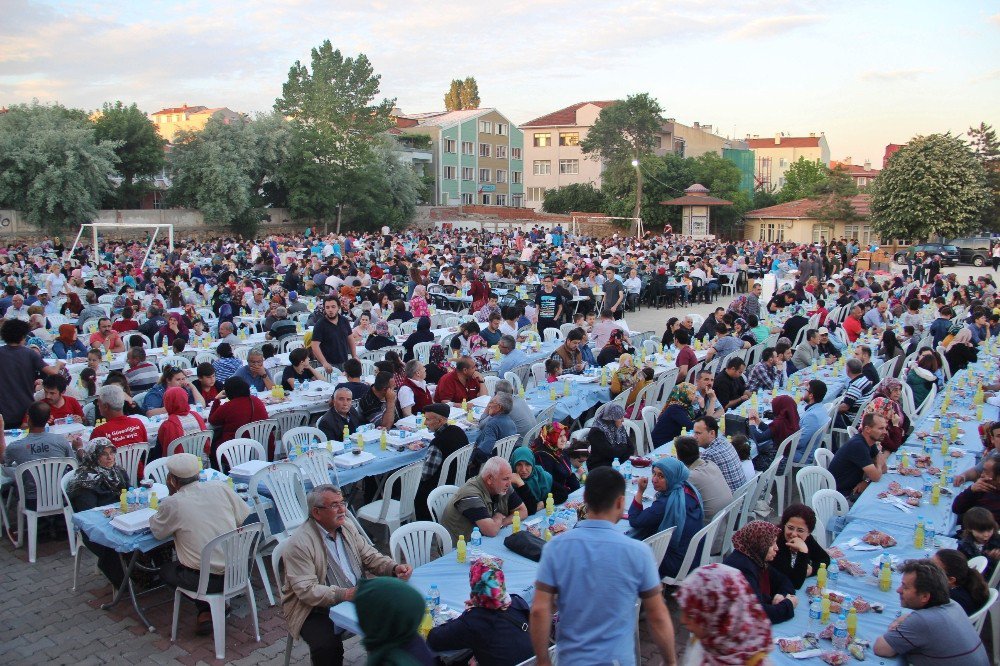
(776, 155)
(862, 174)
(477, 155)
(169, 122)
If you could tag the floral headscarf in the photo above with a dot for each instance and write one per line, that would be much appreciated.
(886, 408)
(627, 373)
(755, 539)
(486, 580)
(92, 476)
(718, 598)
(683, 395)
(437, 358)
(548, 438)
(382, 328)
(605, 422)
(616, 340)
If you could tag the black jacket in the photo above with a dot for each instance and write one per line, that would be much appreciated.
(798, 574)
(496, 638)
(780, 612)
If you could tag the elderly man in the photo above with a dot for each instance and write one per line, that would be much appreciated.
(120, 429)
(325, 559)
(879, 316)
(494, 426)
(511, 356)
(937, 630)
(254, 373)
(825, 346)
(521, 412)
(569, 353)
(486, 501)
(281, 326)
(341, 413)
(227, 333)
(17, 309)
(46, 302)
(258, 306)
(462, 383)
(194, 514)
(447, 439)
(852, 325)
(861, 461)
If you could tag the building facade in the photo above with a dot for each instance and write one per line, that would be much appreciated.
(477, 156)
(774, 156)
(861, 174)
(793, 222)
(169, 122)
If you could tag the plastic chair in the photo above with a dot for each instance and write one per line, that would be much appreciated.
(813, 478)
(552, 335)
(261, 431)
(422, 351)
(316, 465)
(979, 563)
(636, 430)
(659, 543)
(286, 421)
(699, 549)
(978, 619)
(505, 446)
(130, 457)
(491, 384)
(783, 477)
(414, 543)
(238, 451)
(828, 504)
(733, 512)
(287, 491)
(438, 499)
(76, 547)
(764, 481)
(49, 500)
(276, 555)
(823, 457)
(304, 437)
(538, 373)
(237, 547)
(530, 436)
(195, 443)
(393, 513)
(460, 460)
(156, 470)
(649, 416)
(811, 446)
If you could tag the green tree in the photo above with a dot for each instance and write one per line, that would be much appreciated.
(987, 149)
(804, 179)
(934, 185)
(470, 93)
(764, 199)
(453, 98)
(51, 166)
(385, 192)
(582, 197)
(140, 153)
(336, 120)
(665, 177)
(722, 178)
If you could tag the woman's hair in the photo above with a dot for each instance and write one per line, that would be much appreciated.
(395, 362)
(88, 377)
(956, 566)
(807, 515)
(742, 446)
(979, 519)
(236, 387)
(398, 305)
(117, 377)
(553, 366)
(224, 350)
(169, 372)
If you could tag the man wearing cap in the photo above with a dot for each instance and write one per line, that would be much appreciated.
(295, 306)
(447, 439)
(826, 346)
(194, 514)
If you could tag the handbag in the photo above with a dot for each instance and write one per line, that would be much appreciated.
(525, 544)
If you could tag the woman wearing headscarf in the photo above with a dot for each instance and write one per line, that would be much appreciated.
(389, 614)
(608, 438)
(479, 290)
(754, 547)
(418, 303)
(727, 623)
(174, 329)
(677, 414)
(99, 481)
(437, 367)
(552, 455)
(380, 338)
(677, 504)
(494, 623)
(959, 353)
(769, 436)
(613, 349)
(742, 331)
(180, 421)
(532, 483)
(67, 341)
(886, 401)
(422, 334)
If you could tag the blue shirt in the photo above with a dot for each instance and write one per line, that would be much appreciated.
(811, 419)
(588, 632)
(256, 382)
(154, 398)
(511, 361)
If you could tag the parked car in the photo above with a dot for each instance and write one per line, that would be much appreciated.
(949, 253)
(975, 251)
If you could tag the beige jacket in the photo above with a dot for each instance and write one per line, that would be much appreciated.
(305, 559)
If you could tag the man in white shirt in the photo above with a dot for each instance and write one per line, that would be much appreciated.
(17, 309)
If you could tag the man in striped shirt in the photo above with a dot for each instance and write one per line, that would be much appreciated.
(719, 450)
(857, 389)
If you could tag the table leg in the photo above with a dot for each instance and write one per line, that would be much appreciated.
(128, 585)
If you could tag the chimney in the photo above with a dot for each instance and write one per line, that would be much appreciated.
(847, 161)
(706, 128)
(868, 165)
(777, 139)
(813, 135)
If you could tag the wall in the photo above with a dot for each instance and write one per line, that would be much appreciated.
(590, 170)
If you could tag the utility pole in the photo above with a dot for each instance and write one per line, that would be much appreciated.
(340, 208)
(638, 192)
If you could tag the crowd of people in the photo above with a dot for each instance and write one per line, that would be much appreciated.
(66, 312)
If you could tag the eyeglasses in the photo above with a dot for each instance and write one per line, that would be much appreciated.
(335, 505)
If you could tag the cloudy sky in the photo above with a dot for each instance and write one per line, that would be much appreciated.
(865, 73)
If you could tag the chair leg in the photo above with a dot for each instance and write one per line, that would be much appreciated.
(253, 611)
(218, 606)
(780, 487)
(71, 535)
(76, 563)
(265, 581)
(32, 520)
(177, 614)
(994, 630)
(288, 649)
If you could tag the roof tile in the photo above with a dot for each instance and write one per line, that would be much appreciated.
(565, 116)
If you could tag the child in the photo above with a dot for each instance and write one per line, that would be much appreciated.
(742, 447)
(979, 537)
(178, 345)
(553, 368)
(271, 361)
(94, 360)
(199, 335)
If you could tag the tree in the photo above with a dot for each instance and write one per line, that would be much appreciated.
(666, 177)
(934, 185)
(582, 197)
(336, 121)
(385, 192)
(804, 179)
(227, 170)
(51, 166)
(140, 153)
(722, 178)
(470, 93)
(987, 150)
(453, 98)
(626, 132)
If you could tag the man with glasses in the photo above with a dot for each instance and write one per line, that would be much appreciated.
(511, 356)
(324, 560)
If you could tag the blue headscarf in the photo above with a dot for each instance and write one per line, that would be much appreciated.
(675, 509)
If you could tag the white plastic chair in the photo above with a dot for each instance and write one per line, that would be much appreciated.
(460, 460)
(237, 547)
(658, 544)
(305, 437)
(287, 421)
(393, 513)
(438, 499)
(978, 619)
(285, 485)
(414, 543)
(828, 504)
(491, 384)
(702, 540)
(724, 536)
(260, 431)
(637, 431)
(552, 335)
(238, 451)
(130, 457)
(316, 465)
(76, 535)
(505, 446)
(823, 457)
(979, 563)
(47, 474)
(538, 372)
(156, 470)
(422, 351)
(194, 443)
(783, 477)
(276, 555)
(813, 478)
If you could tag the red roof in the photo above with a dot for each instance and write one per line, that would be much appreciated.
(802, 208)
(565, 116)
(854, 170)
(182, 109)
(786, 142)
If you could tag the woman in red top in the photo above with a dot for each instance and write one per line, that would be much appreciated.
(241, 409)
(54, 388)
(479, 290)
(126, 323)
(180, 421)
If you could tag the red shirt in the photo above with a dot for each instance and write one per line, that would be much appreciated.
(852, 327)
(125, 325)
(450, 389)
(235, 414)
(686, 357)
(71, 407)
(122, 431)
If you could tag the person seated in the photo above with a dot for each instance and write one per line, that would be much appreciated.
(352, 373)
(493, 623)
(742, 447)
(399, 312)
(613, 349)
(180, 421)
(326, 559)
(62, 405)
(784, 423)
(172, 376)
(241, 409)
(552, 455)
(341, 413)
(568, 353)
(705, 476)
(799, 554)
(979, 537)
(421, 334)
(206, 383)
(966, 586)
(379, 405)
(298, 370)
(983, 493)
(462, 383)
(390, 613)
(67, 343)
(677, 416)
(487, 501)
(122, 430)
(521, 412)
(447, 439)
(754, 548)
(861, 461)
(608, 438)
(530, 481)
(677, 504)
(553, 368)
(254, 373)
(281, 326)
(858, 387)
(496, 424)
(36, 445)
(194, 514)
(380, 338)
(414, 394)
(937, 630)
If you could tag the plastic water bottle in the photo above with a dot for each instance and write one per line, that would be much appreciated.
(927, 491)
(929, 533)
(833, 573)
(627, 471)
(815, 610)
(840, 636)
(69, 356)
(133, 499)
(435, 595)
(477, 538)
(253, 390)
(305, 384)
(202, 476)
(143, 498)
(616, 465)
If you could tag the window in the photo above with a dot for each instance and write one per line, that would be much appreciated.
(542, 167)
(445, 199)
(487, 199)
(449, 145)
(468, 173)
(485, 127)
(569, 166)
(501, 199)
(536, 193)
(515, 153)
(515, 200)
(862, 181)
(468, 148)
(485, 150)
(515, 177)
(569, 138)
(501, 175)
(468, 199)
(772, 233)
(502, 129)
(821, 232)
(782, 162)
(542, 139)
(484, 175)
(449, 172)
(501, 152)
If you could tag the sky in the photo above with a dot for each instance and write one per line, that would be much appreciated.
(865, 73)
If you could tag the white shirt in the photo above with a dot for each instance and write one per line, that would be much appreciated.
(335, 549)
(633, 285)
(405, 395)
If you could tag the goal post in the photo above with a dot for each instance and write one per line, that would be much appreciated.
(603, 218)
(96, 226)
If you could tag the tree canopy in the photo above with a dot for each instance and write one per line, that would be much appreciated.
(582, 197)
(625, 131)
(462, 94)
(140, 153)
(804, 179)
(987, 150)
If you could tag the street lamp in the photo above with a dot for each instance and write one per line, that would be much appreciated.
(638, 198)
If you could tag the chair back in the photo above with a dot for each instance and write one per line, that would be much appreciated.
(749, 499)
(130, 457)
(305, 437)
(552, 335)
(316, 465)
(665, 386)
(262, 430)
(814, 442)
(422, 351)
(649, 416)
(408, 479)
(734, 510)
(658, 543)
(530, 436)
(438, 499)
(458, 459)
(491, 384)
(813, 478)
(178, 361)
(636, 431)
(505, 446)
(978, 619)
(47, 474)
(979, 563)
(288, 420)
(195, 443)
(238, 451)
(546, 416)
(699, 549)
(766, 479)
(414, 543)
(538, 373)
(285, 484)
(828, 504)
(823, 457)
(237, 549)
(156, 470)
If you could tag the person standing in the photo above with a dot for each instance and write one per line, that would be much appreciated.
(332, 342)
(21, 367)
(614, 294)
(550, 306)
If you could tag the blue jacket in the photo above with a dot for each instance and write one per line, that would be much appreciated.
(670, 423)
(491, 429)
(647, 523)
(812, 418)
